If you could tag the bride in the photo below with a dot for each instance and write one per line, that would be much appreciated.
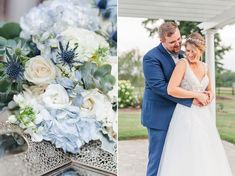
(193, 146)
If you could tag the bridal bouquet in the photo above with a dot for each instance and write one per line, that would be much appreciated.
(56, 76)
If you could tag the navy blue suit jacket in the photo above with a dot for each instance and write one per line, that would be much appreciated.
(157, 105)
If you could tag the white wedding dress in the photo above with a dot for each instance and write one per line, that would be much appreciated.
(193, 146)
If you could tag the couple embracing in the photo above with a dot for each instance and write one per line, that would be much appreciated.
(183, 139)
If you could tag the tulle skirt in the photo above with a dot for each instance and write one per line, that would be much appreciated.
(193, 146)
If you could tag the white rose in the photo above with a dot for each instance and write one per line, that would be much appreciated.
(56, 97)
(39, 70)
(98, 105)
(35, 90)
(88, 41)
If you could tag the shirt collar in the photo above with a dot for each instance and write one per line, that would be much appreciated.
(174, 55)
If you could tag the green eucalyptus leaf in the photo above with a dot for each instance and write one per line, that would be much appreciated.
(2, 52)
(106, 83)
(4, 84)
(87, 71)
(88, 83)
(88, 68)
(2, 23)
(11, 43)
(103, 70)
(10, 30)
(3, 41)
(110, 78)
(5, 95)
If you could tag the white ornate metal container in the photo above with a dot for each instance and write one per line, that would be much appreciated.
(29, 158)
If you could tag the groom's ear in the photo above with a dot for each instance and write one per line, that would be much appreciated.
(162, 40)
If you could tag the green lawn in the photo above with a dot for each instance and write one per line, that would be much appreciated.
(226, 118)
(130, 126)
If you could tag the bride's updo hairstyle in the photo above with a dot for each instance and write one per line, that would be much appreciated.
(197, 40)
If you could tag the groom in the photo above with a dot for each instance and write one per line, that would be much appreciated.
(157, 105)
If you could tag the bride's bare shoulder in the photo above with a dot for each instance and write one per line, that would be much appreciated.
(182, 63)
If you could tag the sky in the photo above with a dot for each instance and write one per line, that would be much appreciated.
(132, 35)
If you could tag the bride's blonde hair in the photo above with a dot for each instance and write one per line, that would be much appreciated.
(197, 40)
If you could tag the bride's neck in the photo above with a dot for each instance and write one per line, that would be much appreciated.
(194, 64)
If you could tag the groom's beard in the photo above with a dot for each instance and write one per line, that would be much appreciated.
(176, 49)
(175, 54)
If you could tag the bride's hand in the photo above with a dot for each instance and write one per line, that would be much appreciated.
(197, 103)
(211, 96)
(203, 98)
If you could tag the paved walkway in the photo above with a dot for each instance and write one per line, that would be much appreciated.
(132, 157)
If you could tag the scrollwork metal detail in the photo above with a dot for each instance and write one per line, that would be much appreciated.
(43, 158)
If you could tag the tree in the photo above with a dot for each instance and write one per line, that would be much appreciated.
(130, 68)
(187, 27)
(227, 78)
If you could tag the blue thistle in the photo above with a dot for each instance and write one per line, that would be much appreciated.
(34, 50)
(106, 13)
(66, 56)
(13, 68)
(113, 36)
(102, 4)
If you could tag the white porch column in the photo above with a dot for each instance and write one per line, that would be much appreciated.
(210, 60)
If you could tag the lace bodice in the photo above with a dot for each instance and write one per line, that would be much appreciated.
(191, 82)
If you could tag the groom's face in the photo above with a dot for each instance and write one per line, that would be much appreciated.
(173, 43)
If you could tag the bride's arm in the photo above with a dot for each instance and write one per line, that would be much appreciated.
(209, 88)
(174, 88)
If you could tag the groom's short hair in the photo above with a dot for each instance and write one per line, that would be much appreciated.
(167, 29)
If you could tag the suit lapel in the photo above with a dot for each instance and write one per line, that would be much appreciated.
(166, 54)
(181, 54)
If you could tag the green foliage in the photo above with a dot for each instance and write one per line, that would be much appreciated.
(126, 97)
(7, 91)
(17, 48)
(10, 30)
(100, 55)
(130, 68)
(220, 51)
(227, 78)
(94, 76)
(10, 87)
(9, 39)
(187, 27)
(26, 116)
(129, 125)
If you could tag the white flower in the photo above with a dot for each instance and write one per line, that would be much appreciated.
(52, 19)
(12, 119)
(36, 135)
(56, 97)
(35, 90)
(39, 70)
(20, 100)
(98, 105)
(88, 41)
(27, 99)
